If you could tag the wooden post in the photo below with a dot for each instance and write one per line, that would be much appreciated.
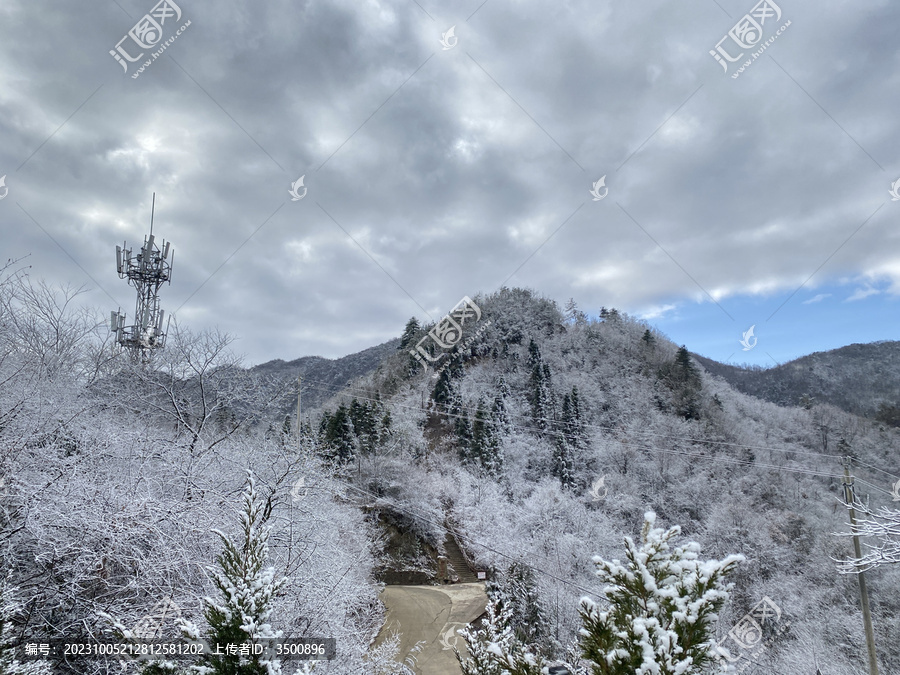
(867, 615)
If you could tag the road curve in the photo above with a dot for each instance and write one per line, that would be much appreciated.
(431, 614)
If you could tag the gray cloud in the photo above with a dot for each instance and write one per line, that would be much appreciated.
(449, 168)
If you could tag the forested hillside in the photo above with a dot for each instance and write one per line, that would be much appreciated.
(517, 431)
(859, 378)
(115, 476)
(325, 376)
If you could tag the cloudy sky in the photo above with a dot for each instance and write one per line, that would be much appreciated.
(437, 169)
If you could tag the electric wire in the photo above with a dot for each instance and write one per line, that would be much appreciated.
(866, 464)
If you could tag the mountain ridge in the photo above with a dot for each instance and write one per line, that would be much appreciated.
(858, 378)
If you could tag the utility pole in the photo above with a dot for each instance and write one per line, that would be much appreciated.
(849, 498)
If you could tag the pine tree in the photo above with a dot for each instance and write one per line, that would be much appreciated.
(443, 388)
(493, 649)
(534, 353)
(386, 427)
(648, 338)
(247, 588)
(573, 314)
(526, 614)
(287, 430)
(684, 380)
(542, 398)
(662, 603)
(499, 413)
(10, 606)
(563, 465)
(362, 418)
(409, 334)
(500, 416)
(462, 426)
(485, 446)
(480, 434)
(338, 436)
(576, 422)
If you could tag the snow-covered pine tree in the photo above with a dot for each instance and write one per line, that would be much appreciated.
(563, 464)
(684, 380)
(573, 314)
(287, 431)
(662, 603)
(10, 605)
(499, 412)
(542, 398)
(337, 434)
(462, 426)
(484, 447)
(409, 333)
(527, 617)
(247, 587)
(493, 649)
(481, 430)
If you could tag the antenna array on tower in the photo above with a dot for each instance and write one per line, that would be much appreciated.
(146, 271)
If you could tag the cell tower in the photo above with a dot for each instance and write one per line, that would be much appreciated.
(146, 271)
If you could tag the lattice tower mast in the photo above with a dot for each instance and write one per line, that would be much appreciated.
(146, 271)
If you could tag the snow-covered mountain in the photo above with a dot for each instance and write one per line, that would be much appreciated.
(542, 437)
(858, 378)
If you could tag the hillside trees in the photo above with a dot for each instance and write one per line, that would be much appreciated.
(661, 605)
(354, 430)
(407, 340)
(569, 439)
(196, 384)
(484, 447)
(543, 402)
(683, 379)
(888, 414)
(10, 607)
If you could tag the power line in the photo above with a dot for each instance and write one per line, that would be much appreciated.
(887, 473)
(874, 487)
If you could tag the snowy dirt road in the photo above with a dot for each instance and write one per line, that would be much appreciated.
(431, 614)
